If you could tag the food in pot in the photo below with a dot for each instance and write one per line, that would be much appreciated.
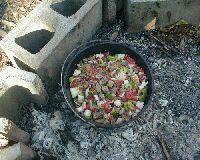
(109, 88)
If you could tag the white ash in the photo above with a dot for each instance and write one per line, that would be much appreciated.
(174, 112)
(163, 102)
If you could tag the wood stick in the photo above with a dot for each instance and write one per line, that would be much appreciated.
(163, 44)
(164, 147)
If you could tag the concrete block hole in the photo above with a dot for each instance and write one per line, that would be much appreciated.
(67, 7)
(34, 41)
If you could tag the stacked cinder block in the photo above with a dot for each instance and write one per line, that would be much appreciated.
(38, 46)
(41, 41)
(145, 14)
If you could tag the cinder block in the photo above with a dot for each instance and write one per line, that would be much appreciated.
(19, 87)
(17, 151)
(42, 40)
(142, 14)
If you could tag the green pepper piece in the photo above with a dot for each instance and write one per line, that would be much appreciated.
(101, 61)
(129, 86)
(71, 79)
(124, 69)
(114, 113)
(112, 58)
(128, 105)
(133, 84)
(143, 94)
(109, 96)
(90, 93)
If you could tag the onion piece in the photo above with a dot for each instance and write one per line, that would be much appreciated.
(139, 104)
(80, 109)
(118, 103)
(144, 84)
(80, 98)
(74, 92)
(121, 56)
(87, 113)
(77, 72)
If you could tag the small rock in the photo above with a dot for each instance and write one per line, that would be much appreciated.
(128, 134)
(114, 36)
(48, 143)
(163, 103)
(9, 131)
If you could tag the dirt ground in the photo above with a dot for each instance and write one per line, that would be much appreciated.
(4, 60)
(11, 11)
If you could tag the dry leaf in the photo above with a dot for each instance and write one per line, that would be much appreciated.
(151, 25)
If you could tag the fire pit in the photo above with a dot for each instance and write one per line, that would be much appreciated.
(95, 47)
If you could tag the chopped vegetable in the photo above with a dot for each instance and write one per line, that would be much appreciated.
(121, 56)
(74, 92)
(99, 55)
(109, 96)
(71, 79)
(140, 104)
(114, 113)
(87, 92)
(96, 97)
(118, 103)
(80, 98)
(143, 94)
(108, 88)
(143, 85)
(121, 76)
(131, 95)
(77, 72)
(112, 58)
(128, 105)
(87, 113)
(124, 70)
(80, 109)
(101, 62)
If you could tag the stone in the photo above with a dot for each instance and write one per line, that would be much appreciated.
(128, 134)
(42, 40)
(140, 14)
(9, 131)
(17, 151)
(19, 87)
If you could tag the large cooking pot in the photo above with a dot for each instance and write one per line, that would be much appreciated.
(89, 49)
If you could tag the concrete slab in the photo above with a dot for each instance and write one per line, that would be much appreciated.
(19, 87)
(42, 40)
(149, 14)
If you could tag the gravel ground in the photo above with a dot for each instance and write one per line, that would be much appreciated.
(11, 11)
(4, 60)
(174, 112)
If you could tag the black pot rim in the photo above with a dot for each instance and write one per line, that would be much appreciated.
(80, 49)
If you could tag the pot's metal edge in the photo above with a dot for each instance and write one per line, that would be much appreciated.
(93, 123)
